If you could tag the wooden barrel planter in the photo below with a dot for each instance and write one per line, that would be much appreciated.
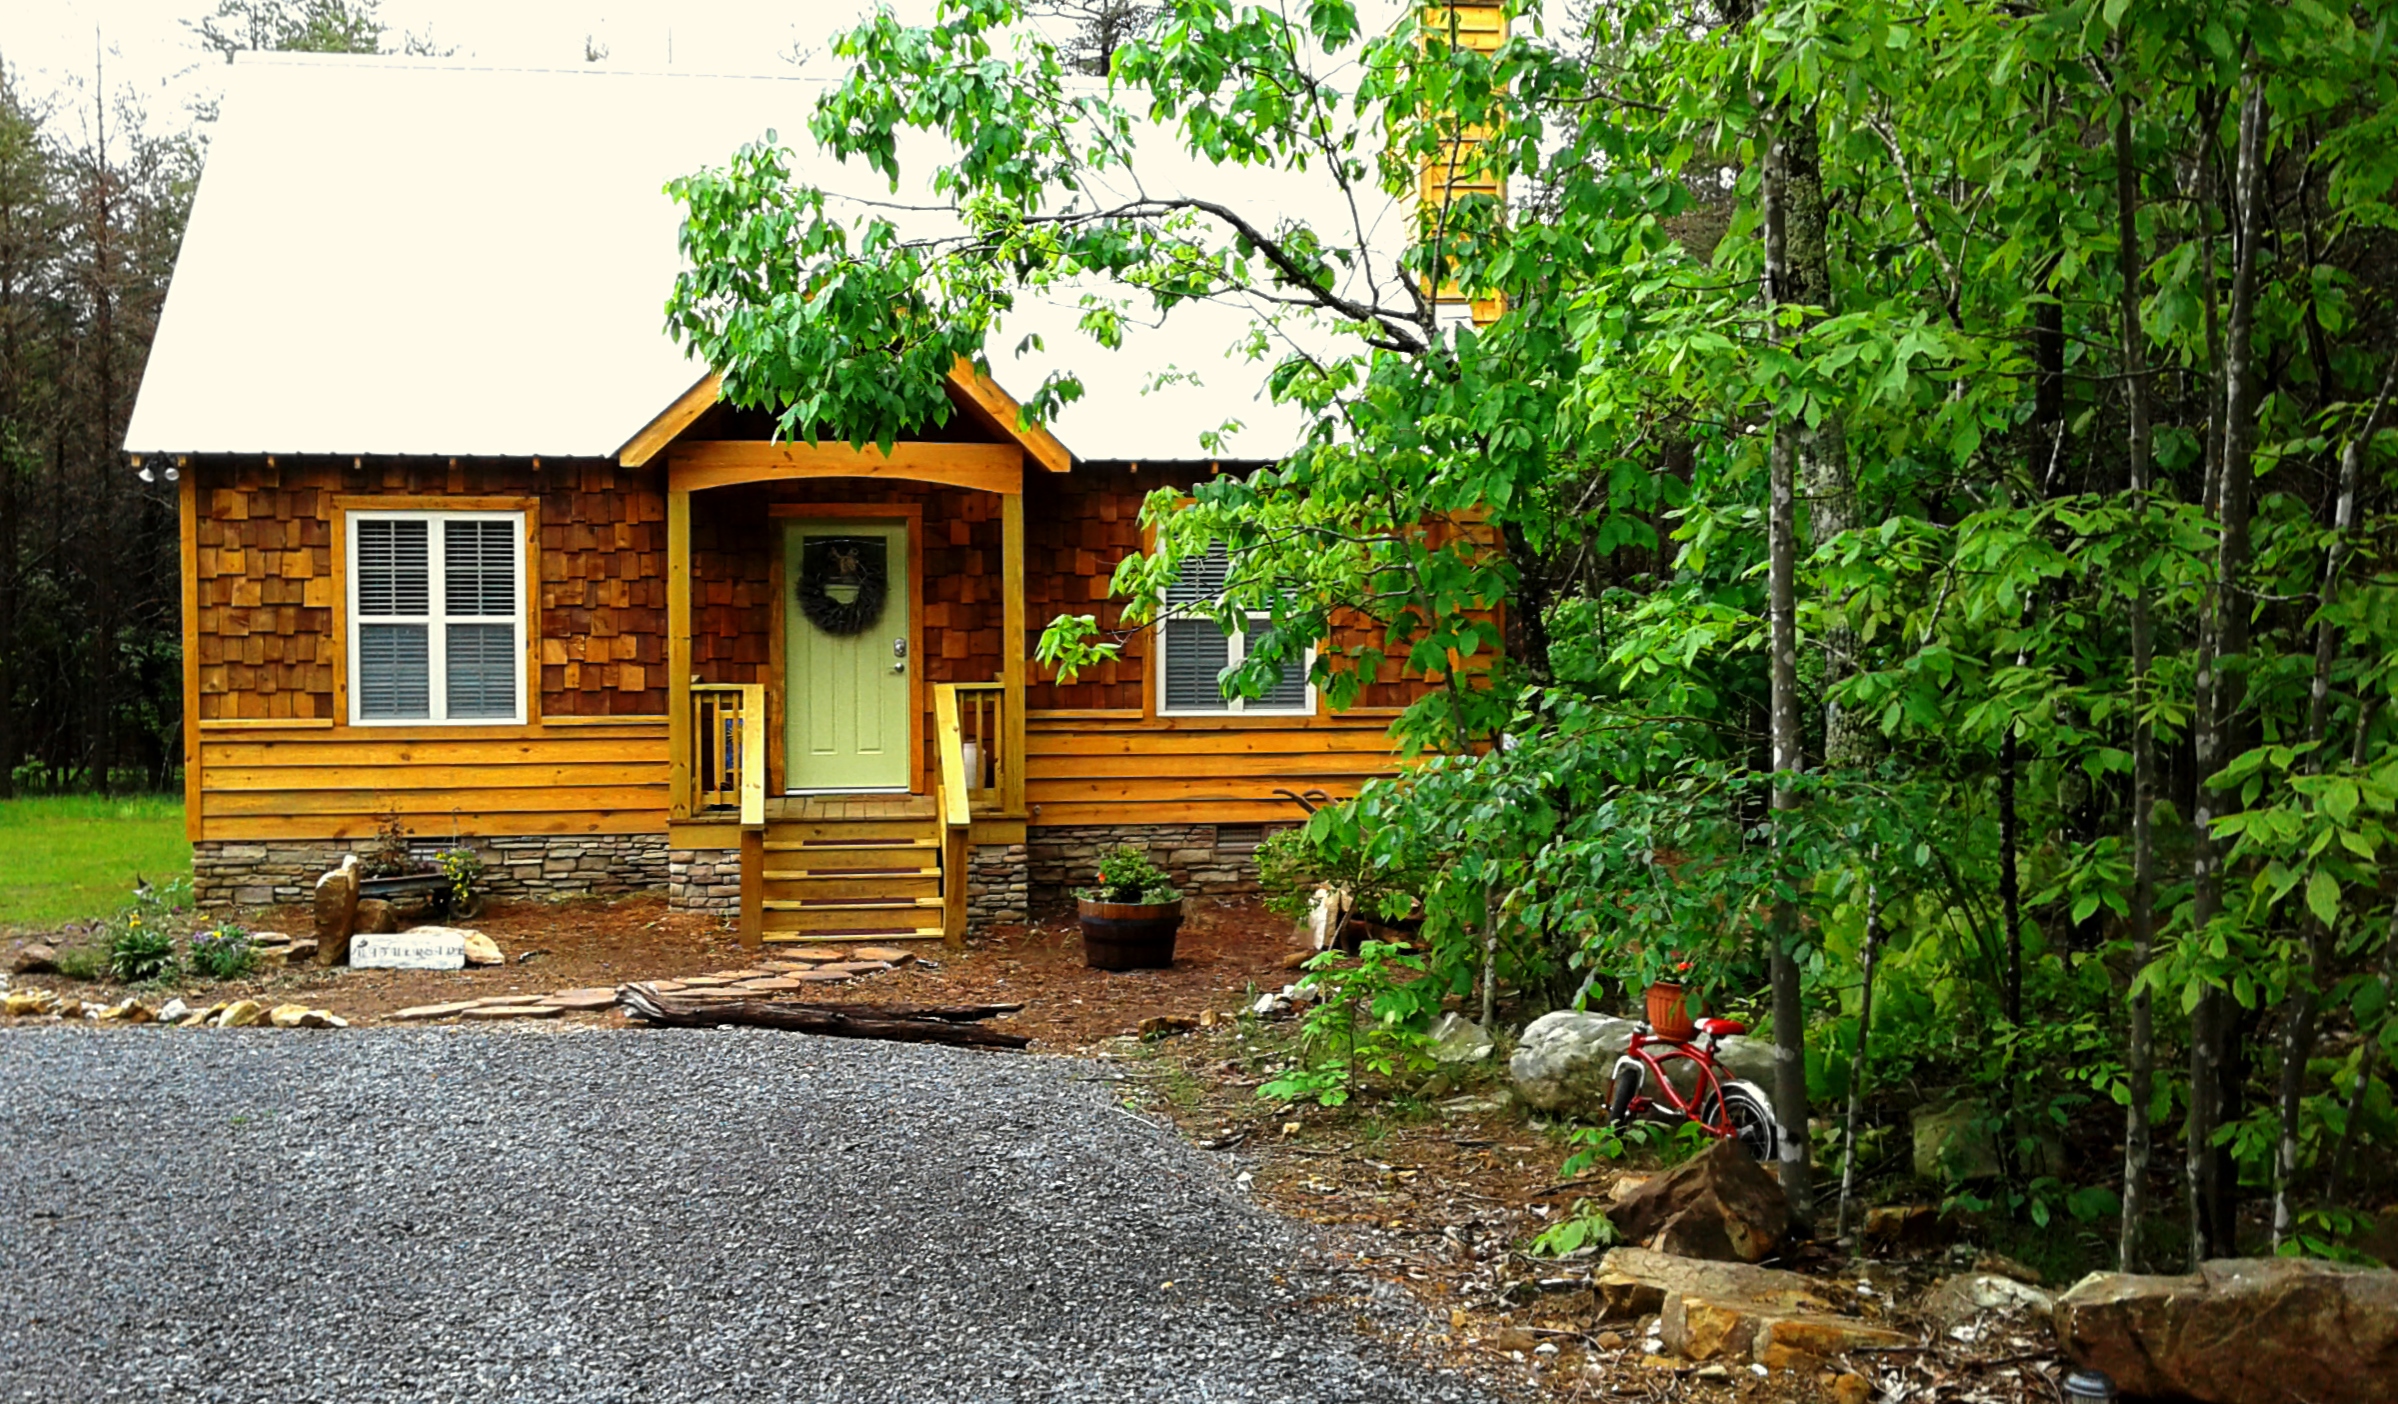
(1128, 935)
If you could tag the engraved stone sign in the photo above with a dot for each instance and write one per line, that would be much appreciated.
(410, 950)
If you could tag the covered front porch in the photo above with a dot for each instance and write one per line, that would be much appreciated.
(853, 743)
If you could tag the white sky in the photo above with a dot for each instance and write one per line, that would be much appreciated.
(52, 44)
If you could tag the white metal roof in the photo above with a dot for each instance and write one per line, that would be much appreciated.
(410, 257)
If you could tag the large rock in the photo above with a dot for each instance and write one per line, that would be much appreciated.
(478, 948)
(1955, 1145)
(337, 911)
(1970, 1296)
(376, 918)
(2240, 1331)
(1636, 1281)
(1565, 1061)
(1733, 1311)
(36, 959)
(1457, 1039)
(1719, 1204)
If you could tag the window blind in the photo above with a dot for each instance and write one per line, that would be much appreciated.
(1196, 654)
(394, 567)
(481, 669)
(1202, 577)
(395, 673)
(1289, 691)
(479, 568)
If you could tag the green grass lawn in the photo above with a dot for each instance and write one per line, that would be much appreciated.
(74, 857)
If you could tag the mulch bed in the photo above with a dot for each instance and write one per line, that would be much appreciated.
(1225, 948)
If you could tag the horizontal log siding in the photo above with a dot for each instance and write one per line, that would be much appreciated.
(585, 779)
(1099, 770)
(263, 562)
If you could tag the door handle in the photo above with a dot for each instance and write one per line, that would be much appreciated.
(899, 651)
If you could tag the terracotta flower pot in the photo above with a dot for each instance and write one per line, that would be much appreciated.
(1669, 1012)
(1128, 935)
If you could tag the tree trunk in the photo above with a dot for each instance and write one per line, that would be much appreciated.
(1789, 1007)
(2010, 888)
(2139, 1046)
(902, 1025)
(1856, 1066)
(2223, 640)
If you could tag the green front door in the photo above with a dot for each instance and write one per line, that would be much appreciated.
(847, 699)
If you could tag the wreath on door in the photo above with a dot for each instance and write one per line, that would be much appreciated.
(843, 582)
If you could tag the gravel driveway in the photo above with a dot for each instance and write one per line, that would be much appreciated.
(559, 1215)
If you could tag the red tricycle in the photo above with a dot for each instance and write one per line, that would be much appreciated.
(1726, 1107)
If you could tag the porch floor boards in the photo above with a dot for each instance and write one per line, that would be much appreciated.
(818, 809)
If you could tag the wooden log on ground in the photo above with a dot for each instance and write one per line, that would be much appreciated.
(834, 1021)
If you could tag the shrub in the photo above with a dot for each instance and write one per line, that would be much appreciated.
(1371, 1015)
(222, 954)
(464, 868)
(85, 963)
(1292, 864)
(140, 952)
(391, 856)
(1127, 875)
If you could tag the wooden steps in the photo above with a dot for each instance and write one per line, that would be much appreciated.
(869, 876)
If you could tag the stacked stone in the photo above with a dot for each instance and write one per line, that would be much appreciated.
(594, 864)
(1066, 856)
(704, 879)
(998, 886)
(247, 874)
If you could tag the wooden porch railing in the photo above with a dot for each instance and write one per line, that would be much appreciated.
(982, 728)
(954, 797)
(981, 772)
(728, 771)
(728, 743)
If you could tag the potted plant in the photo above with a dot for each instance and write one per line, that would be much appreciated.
(1129, 918)
(445, 885)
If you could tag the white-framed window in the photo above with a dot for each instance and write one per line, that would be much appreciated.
(436, 617)
(1194, 651)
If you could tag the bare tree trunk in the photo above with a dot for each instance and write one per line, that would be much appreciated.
(2139, 1039)
(1824, 480)
(1789, 1006)
(2224, 639)
(1490, 953)
(1856, 1066)
(2298, 1020)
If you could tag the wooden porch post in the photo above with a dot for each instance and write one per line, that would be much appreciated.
(678, 653)
(1011, 648)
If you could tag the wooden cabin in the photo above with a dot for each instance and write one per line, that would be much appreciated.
(468, 543)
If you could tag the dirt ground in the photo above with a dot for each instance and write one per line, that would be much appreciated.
(1440, 1193)
(1223, 949)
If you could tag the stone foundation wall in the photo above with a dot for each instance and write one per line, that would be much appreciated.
(281, 872)
(997, 886)
(704, 880)
(1065, 857)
